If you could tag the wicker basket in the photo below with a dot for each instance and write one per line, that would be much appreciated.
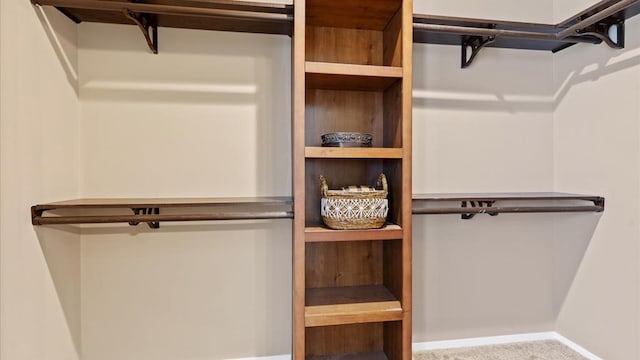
(355, 207)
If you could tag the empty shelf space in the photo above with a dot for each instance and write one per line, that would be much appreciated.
(469, 204)
(372, 355)
(155, 210)
(320, 234)
(351, 14)
(353, 153)
(324, 75)
(348, 294)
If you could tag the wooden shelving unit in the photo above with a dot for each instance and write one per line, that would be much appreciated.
(352, 72)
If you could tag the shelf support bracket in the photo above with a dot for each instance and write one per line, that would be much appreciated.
(471, 46)
(146, 211)
(148, 25)
(600, 203)
(480, 204)
(610, 31)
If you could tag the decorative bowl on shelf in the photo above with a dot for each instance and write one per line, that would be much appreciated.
(354, 207)
(346, 139)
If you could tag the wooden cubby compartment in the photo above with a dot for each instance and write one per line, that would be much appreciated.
(345, 172)
(378, 113)
(350, 32)
(367, 341)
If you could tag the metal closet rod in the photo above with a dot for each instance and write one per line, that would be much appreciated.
(271, 11)
(601, 15)
(254, 12)
(570, 34)
(463, 30)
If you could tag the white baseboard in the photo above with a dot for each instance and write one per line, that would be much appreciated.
(506, 339)
(482, 341)
(577, 348)
(489, 340)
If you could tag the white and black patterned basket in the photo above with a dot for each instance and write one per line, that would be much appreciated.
(354, 207)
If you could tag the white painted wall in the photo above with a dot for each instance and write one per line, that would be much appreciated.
(597, 141)
(488, 128)
(39, 162)
(209, 116)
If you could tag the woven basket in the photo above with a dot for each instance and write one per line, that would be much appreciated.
(354, 208)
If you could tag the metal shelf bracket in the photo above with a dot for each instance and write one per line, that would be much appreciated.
(481, 204)
(148, 25)
(471, 46)
(610, 31)
(146, 211)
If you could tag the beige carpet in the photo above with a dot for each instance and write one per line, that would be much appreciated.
(534, 350)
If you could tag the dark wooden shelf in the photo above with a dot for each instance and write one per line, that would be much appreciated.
(274, 18)
(348, 295)
(444, 30)
(224, 15)
(92, 211)
(134, 211)
(540, 202)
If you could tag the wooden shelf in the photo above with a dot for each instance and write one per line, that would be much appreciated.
(154, 210)
(352, 153)
(334, 76)
(321, 234)
(82, 211)
(475, 203)
(350, 305)
(224, 15)
(444, 30)
(276, 18)
(372, 355)
(348, 295)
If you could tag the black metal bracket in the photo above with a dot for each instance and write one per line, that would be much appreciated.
(473, 44)
(146, 211)
(599, 202)
(481, 204)
(602, 30)
(148, 24)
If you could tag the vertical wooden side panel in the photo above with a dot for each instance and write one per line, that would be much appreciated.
(392, 40)
(298, 168)
(393, 345)
(407, 88)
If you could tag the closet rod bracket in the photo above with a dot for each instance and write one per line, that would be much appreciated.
(610, 31)
(600, 203)
(480, 204)
(146, 211)
(471, 46)
(148, 24)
